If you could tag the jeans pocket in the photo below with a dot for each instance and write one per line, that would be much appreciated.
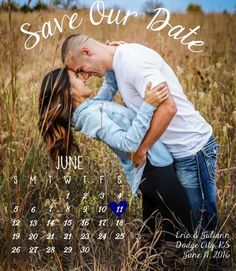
(187, 171)
(210, 157)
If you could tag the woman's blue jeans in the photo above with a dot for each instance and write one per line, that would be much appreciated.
(197, 175)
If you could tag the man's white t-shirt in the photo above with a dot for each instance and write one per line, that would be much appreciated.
(135, 65)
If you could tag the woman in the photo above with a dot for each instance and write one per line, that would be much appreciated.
(65, 101)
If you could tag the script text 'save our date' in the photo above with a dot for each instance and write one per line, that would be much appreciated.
(98, 14)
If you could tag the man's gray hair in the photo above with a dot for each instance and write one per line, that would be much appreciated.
(72, 41)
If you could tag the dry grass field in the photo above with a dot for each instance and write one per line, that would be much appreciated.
(209, 81)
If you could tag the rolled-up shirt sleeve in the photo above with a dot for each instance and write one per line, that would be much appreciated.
(128, 141)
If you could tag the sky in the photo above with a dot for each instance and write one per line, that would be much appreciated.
(171, 5)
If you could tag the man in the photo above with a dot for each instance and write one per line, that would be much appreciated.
(176, 123)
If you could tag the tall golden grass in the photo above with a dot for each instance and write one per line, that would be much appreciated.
(209, 80)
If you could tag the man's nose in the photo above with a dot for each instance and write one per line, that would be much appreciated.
(85, 75)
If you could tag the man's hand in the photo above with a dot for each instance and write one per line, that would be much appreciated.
(139, 158)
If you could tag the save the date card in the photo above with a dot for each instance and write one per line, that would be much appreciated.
(117, 137)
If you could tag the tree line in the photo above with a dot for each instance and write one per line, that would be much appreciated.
(40, 5)
(148, 7)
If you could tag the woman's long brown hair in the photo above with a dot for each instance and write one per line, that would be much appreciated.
(55, 109)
